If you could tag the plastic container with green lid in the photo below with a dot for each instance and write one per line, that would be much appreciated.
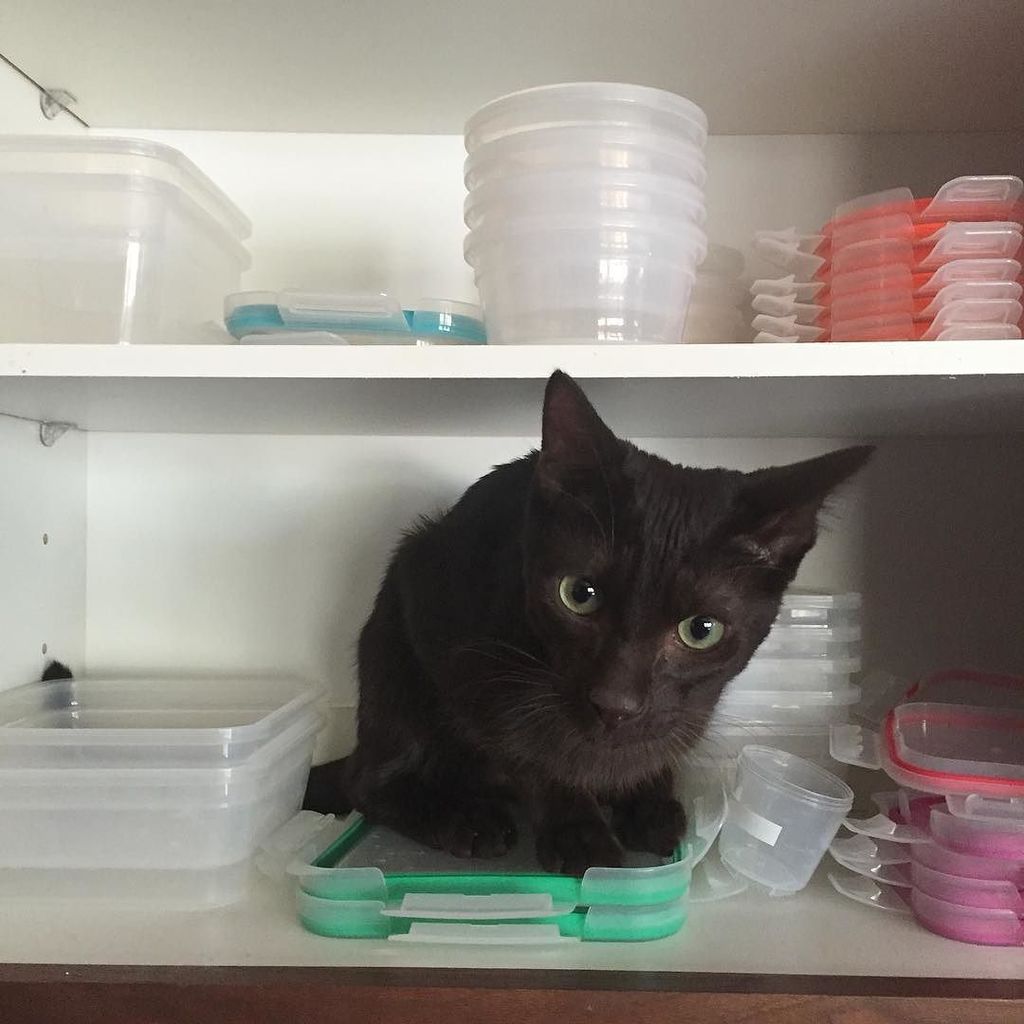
(355, 880)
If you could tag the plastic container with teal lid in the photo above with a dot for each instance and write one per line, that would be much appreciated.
(446, 322)
(358, 880)
(297, 317)
(370, 319)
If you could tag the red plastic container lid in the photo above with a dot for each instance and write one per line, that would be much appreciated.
(960, 732)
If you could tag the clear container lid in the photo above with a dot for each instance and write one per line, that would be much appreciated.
(131, 159)
(817, 608)
(147, 722)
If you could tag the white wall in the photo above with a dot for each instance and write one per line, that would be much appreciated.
(19, 108)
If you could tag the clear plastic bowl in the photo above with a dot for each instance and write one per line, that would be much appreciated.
(147, 723)
(570, 104)
(587, 193)
(587, 147)
(783, 814)
(967, 924)
(609, 234)
(603, 299)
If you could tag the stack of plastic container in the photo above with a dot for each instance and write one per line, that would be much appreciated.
(586, 212)
(889, 267)
(949, 846)
(148, 789)
(718, 299)
(798, 684)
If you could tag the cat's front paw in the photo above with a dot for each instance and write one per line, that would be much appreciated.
(650, 824)
(476, 828)
(570, 847)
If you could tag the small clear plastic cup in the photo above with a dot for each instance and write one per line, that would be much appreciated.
(783, 814)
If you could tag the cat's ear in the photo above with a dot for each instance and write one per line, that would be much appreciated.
(574, 436)
(777, 516)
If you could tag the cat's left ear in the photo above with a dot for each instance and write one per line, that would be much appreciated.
(574, 437)
(777, 515)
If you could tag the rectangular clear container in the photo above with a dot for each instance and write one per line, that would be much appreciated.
(776, 675)
(838, 643)
(810, 609)
(147, 723)
(182, 837)
(113, 241)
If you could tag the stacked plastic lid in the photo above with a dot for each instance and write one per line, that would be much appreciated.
(718, 299)
(797, 685)
(327, 318)
(354, 880)
(152, 789)
(586, 212)
(889, 267)
(949, 846)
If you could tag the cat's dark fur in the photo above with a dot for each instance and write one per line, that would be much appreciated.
(480, 689)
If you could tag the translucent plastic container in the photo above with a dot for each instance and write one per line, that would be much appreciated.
(989, 894)
(147, 723)
(837, 644)
(178, 836)
(977, 838)
(355, 880)
(783, 815)
(587, 147)
(612, 298)
(811, 609)
(964, 865)
(555, 193)
(573, 104)
(112, 241)
(820, 708)
(804, 675)
(967, 924)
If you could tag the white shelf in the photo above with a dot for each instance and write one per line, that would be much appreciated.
(814, 933)
(836, 390)
(392, 66)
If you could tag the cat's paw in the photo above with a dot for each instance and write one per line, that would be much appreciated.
(476, 828)
(650, 824)
(570, 847)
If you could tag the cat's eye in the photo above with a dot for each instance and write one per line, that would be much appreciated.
(700, 632)
(580, 595)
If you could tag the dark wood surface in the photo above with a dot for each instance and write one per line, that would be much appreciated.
(168, 995)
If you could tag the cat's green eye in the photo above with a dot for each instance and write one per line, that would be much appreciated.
(580, 595)
(700, 632)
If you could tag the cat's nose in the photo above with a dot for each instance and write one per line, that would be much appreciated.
(615, 709)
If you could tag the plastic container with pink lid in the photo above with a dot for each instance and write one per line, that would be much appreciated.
(957, 732)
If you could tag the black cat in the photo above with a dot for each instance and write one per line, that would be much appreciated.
(559, 640)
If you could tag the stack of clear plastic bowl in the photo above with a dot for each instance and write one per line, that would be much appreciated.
(797, 686)
(586, 212)
(719, 300)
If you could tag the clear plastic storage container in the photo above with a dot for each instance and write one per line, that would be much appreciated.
(112, 241)
(783, 814)
(147, 723)
(184, 837)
